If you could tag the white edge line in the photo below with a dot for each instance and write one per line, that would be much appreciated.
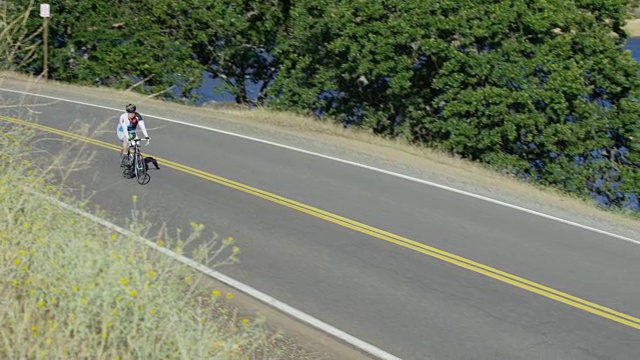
(279, 305)
(406, 177)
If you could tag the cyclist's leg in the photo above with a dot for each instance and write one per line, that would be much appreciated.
(123, 149)
(127, 147)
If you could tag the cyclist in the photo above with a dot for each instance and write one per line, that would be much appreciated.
(126, 131)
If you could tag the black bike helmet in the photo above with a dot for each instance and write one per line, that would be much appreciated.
(130, 108)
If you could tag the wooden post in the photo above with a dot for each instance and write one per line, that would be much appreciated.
(46, 51)
(44, 12)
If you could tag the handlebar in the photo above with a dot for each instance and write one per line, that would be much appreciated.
(136, 141)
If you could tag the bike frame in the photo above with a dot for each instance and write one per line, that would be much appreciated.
(137, 161)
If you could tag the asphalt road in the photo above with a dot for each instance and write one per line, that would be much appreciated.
(410, 304)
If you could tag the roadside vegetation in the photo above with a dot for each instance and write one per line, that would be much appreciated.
(71, 288)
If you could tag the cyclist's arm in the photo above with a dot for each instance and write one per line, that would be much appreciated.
(142, 127)
(122, 123)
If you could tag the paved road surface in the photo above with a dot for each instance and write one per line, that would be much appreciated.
(405, 302)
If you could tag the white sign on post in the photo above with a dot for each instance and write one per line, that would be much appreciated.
(44, 10)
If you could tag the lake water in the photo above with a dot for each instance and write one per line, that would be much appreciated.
(634, 46)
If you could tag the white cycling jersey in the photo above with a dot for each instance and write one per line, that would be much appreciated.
(129, 127)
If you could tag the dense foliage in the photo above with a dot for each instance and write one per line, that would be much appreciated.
(539, 88)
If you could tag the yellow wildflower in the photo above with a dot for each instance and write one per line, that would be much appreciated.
(215, 293)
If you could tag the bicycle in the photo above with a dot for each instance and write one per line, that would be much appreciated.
(136, 160)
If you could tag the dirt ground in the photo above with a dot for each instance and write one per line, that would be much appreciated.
(633, 27)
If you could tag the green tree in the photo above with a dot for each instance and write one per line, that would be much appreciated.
(538, 90)
(536, 87)
(17, 47)
(349, 59)
(234, 40)
(118, 43)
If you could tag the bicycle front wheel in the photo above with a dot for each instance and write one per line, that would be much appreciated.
(141, 170)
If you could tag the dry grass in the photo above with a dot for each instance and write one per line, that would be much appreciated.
(633, 27)
(443, 166)
(70, 288)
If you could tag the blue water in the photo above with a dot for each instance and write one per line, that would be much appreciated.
(634, 46)
(207, 90)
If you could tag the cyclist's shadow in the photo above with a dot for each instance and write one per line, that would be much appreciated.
(150, 159)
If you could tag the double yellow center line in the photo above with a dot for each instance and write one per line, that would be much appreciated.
(374, 232)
